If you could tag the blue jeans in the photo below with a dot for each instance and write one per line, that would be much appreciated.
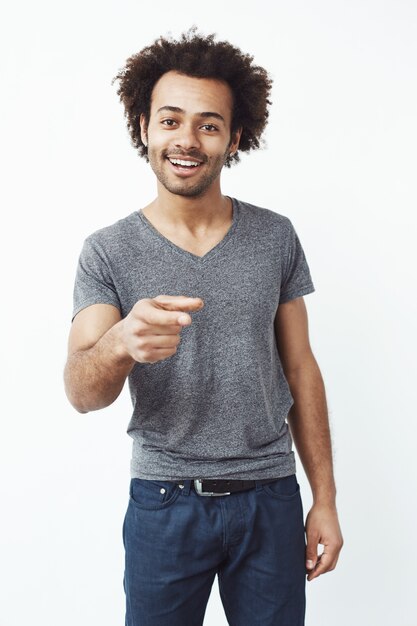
(176, 541)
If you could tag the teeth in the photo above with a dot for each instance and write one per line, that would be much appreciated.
(185, 163)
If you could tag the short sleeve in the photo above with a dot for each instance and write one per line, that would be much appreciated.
(296, 278)
(93, 280)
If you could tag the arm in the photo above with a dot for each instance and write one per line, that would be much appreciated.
(103, 348)
(309, 426)
(97, 363)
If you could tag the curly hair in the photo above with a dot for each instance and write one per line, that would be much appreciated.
(197, 56)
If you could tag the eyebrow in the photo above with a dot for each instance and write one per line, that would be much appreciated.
(202, 114)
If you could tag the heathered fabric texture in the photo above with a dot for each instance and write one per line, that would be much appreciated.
(217, 408)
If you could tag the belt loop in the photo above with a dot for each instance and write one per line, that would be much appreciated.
(258, 485)
(185, 489)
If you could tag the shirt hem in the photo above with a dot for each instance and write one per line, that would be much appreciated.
(277, 468)
(296, 294)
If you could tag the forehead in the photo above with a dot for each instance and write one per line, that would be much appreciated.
(193, 95)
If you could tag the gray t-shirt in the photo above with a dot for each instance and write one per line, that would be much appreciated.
(217, 408)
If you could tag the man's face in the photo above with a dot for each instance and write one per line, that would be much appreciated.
(189, 132)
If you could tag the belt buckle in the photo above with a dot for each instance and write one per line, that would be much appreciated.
(198, 484)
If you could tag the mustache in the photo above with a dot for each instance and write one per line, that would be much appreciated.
(193, 154)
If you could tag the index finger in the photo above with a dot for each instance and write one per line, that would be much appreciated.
(177, 303)
(176, 314)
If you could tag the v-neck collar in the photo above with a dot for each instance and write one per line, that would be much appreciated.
(212, 252)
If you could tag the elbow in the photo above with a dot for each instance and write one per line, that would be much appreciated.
(79, 409)
(75, 402)
(72, 392)
(84, 399)
(306, 374)
(72, 396)
(84, 406)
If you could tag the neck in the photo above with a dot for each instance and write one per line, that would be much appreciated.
(191, 213)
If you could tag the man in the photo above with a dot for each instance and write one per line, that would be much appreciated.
(197, 299)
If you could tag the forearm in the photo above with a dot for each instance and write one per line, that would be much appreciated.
(309, 425)
(95, 377)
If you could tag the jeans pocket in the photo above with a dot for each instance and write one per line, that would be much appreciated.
(152, 494)
(286, 488)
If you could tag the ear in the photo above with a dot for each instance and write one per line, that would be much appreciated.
(234, 142)
(143, 129)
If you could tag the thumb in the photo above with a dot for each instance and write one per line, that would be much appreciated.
(311, 553)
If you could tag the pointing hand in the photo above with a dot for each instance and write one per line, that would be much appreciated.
(151, 331)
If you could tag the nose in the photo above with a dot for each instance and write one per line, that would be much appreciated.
(186, 137)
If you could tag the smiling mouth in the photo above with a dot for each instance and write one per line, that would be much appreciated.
(183, 163)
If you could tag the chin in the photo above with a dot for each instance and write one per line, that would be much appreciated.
(190, 192)
(183, 189)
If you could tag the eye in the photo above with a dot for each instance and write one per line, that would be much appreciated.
(168, 122)
(209, 127)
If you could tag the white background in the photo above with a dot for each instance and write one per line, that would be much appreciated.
(340, 162)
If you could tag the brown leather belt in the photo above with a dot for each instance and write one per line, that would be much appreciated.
(217, 487)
